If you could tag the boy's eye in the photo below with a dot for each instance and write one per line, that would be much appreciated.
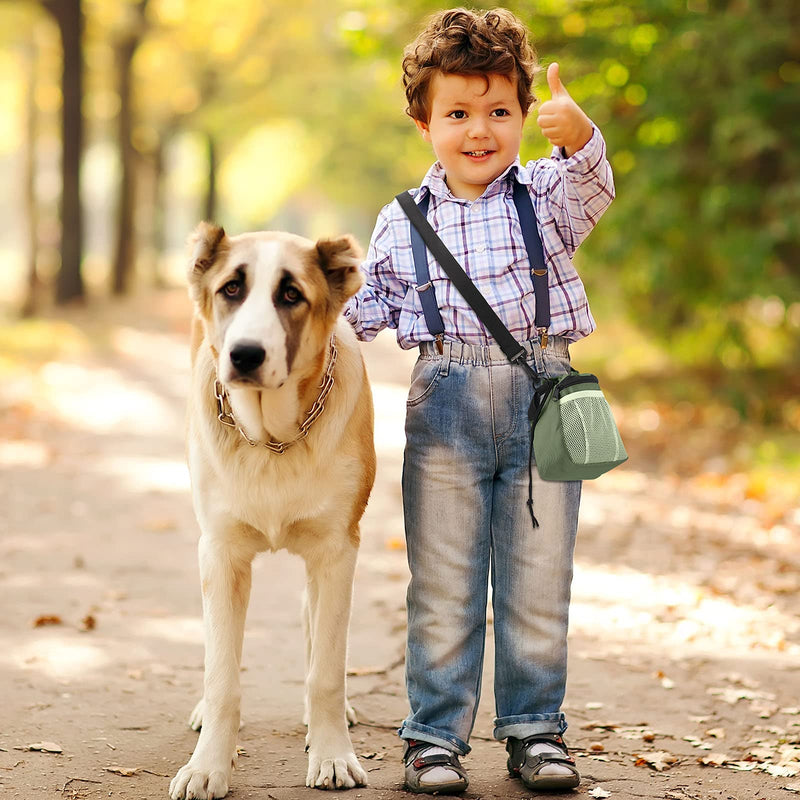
(501, 112)
(458, 114)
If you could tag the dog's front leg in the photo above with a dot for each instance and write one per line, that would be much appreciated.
(225, 572)
(332, 764)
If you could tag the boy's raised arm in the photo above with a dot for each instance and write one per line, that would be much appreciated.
(578, 182)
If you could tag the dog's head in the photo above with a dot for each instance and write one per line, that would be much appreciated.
(268, 301)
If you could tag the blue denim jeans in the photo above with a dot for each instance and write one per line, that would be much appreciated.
(465, 490)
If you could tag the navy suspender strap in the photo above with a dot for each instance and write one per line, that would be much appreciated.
(427, 297)
(533, 244)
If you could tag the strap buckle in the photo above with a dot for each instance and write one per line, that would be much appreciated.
(519, 356)
(424, 287)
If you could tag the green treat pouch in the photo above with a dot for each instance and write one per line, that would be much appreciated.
(574, 434)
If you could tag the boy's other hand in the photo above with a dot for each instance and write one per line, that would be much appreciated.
(561, 119)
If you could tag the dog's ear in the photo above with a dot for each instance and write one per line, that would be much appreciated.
(207, 244)
(339, 259)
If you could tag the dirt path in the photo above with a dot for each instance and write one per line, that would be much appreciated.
(685, 637)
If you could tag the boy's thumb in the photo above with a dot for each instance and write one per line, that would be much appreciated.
(554, 80)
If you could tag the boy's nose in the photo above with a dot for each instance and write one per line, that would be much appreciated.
(478, 128)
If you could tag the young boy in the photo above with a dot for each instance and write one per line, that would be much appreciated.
(468, 83)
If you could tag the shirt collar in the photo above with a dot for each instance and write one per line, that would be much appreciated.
(434, 180)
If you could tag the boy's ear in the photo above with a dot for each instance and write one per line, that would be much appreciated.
(424, 129)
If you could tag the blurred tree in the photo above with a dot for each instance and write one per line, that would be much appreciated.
(69, 16)
(133, 28)
(33, 283)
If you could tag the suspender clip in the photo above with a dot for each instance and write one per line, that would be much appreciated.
(543, 337)
(424, 287)
(439, 339)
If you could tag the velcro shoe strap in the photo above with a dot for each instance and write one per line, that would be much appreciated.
(436, 760)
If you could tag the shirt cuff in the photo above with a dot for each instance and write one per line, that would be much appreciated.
(351, 314)
(587, 159)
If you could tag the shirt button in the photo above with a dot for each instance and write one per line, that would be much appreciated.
(481, 248)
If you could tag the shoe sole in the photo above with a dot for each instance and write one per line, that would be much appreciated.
(546, 783)
(448, 788)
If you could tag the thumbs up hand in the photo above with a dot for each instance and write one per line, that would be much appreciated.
(561, 119)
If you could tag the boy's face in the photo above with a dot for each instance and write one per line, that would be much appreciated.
(475, 132)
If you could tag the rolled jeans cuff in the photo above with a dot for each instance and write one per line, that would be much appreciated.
(524, 725)
(422, 733)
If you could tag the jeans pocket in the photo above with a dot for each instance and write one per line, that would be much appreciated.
(555, 365)
(424, 378)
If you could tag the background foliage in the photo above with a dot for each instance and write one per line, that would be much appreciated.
(270, 114)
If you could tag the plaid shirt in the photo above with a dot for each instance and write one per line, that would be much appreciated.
(569, 196)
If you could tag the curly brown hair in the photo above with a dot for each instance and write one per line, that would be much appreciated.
(462, 42)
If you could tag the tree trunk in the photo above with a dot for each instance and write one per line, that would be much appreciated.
(211, 193)
(125, 236)
(33, 290)
(69, 16)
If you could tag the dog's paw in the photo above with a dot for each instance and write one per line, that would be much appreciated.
(335, 772)
(350, 713)
(193, 782)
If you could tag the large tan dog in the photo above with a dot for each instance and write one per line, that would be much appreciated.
(281, 455)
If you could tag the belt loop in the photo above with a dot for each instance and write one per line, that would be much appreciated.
(446, 354)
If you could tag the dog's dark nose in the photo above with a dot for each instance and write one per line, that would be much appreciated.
(247, 356)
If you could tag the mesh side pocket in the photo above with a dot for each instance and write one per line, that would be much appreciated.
(590, 434)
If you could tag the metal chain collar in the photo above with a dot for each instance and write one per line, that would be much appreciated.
(226, 417)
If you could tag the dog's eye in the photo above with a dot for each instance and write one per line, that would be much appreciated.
(232, 288)
(291, 295)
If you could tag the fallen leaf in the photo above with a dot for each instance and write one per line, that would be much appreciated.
(781, 770)
(126, 772)
(790, 710)
(648, 736)
(599, 793)
(713, 759)
(716, 733)
(597, 747)
(659, 761)
(741, 766)
(793, 787)
(597, 725)
(732, 695)
(88, 623)
(47, 619)
(43, 747)
(764, 710)
(594, 706)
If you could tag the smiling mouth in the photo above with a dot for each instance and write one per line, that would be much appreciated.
(479, 153)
